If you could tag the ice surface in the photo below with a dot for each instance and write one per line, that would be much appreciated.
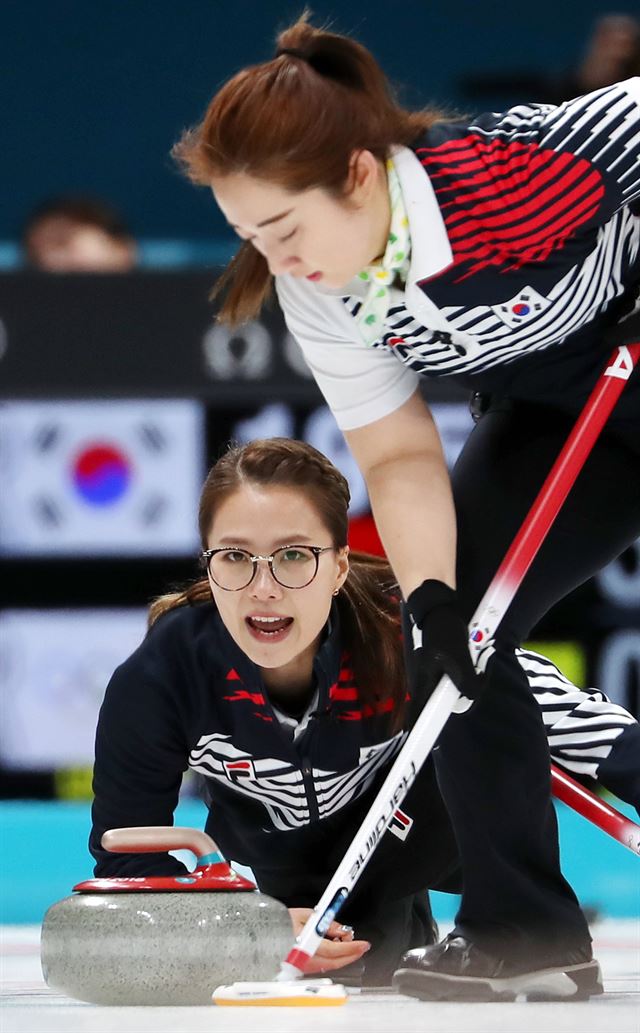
(28, 1006)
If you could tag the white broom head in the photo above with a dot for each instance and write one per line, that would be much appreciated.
(314, 993)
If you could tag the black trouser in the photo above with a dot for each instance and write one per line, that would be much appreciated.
(493, 762)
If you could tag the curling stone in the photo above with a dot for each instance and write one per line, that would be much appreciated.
(162, 941)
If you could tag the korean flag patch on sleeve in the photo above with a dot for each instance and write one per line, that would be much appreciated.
(524, 307)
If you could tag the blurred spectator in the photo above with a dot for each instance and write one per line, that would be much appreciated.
(77, 235)
(612, 54)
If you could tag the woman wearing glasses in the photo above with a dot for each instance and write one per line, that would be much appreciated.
(279, 679)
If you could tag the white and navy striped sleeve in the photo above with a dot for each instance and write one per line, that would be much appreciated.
(603, 128)
(578, 161)
(360, 384)
(582, 725)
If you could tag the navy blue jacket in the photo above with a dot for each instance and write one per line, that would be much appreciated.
(188, 697)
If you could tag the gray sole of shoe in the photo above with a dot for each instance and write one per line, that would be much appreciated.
(575, 983)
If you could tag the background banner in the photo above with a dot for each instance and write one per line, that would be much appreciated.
(100, 477)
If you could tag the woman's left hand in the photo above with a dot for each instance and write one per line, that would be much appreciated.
(337, 949)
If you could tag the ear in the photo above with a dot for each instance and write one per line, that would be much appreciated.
(364, 173)
(343, 566)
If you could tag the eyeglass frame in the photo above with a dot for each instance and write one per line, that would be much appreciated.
(317, 550)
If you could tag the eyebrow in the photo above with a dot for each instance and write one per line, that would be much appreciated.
(290, 539)
(267, 222)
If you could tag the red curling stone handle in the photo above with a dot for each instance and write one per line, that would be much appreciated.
(149, 839)
(212, 871)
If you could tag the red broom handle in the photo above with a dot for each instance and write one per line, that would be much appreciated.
(527, 542)
(595, 810)
(557, 486)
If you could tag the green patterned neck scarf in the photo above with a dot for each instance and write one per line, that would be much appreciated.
(394, 263)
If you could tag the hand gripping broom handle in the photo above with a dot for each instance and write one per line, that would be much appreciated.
(490, 612)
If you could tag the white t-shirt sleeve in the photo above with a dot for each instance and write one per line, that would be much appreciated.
(360, 384)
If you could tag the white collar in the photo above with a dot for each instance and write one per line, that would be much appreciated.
(296, 726)
(430, 248)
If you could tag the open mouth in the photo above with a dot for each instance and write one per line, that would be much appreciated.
(314, 277)
(268, 629)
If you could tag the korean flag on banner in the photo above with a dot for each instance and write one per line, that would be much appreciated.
(100, 478)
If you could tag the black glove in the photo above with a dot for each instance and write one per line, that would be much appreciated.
(437, 643)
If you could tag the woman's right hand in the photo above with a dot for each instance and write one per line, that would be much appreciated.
(337, 949)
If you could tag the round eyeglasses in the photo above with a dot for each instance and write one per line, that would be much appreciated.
(292, 566)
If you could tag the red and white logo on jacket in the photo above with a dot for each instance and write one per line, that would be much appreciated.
(236, 770)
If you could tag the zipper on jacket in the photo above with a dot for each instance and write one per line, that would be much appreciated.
(310, 789)
(303, 762)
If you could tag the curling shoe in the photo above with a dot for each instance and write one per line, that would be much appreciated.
(456, 970)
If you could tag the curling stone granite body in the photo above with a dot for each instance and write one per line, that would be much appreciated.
(161, 948)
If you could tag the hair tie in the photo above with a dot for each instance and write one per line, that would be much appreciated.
(290, 52)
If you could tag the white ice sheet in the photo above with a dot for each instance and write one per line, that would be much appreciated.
(28, 1006)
